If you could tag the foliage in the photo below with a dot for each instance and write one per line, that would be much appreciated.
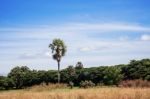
(68, 74)
(86, 84)
(21, 77)
(6, 83)
(79, 65)
(112, 76)
(137, 69)
(59, 49)
(71, 84)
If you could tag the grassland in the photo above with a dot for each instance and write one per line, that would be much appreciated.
(77, 93)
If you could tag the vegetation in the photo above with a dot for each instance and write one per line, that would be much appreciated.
(86, 84)
(22, 77)
(135, 83)
(137, 69)
(71, 84)
(59, 49)
(46, 87)
(6, 83)
(79, 65)
(90, 93)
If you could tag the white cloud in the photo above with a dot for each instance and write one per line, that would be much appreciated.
(74, 27)
(97, 47)
(37, 55)
(124, 38)
(110, 27)
(145, 37)
(77, 37)
(47, 54)
(86, 49)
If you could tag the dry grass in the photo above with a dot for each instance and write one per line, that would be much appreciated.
(135, 83)
(44, 87)
(91, 93)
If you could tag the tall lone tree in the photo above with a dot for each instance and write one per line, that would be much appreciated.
(59, 49)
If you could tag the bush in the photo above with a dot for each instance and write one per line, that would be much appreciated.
(86, 84)
(147, 77)
(6, 83)
(71, 84)
(135, 83)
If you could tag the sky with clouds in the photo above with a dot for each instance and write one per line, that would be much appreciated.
(97, 32)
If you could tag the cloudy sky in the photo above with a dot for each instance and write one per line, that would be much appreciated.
(96, 32)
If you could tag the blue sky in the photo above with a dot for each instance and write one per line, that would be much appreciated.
(97, 32)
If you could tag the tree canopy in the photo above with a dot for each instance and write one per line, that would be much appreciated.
(22, 76)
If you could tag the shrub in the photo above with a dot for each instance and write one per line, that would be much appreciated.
(6, 83)
(135, 83)
(147, 77)
(71, 84)
(86, 84)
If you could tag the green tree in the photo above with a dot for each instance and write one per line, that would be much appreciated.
(137, 69)
(112, 76)
(6, 83)
(68, 74)
(79, 65)
(71, 70)
(59, 49)
(21, 76)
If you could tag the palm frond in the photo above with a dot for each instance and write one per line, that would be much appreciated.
(52, 47)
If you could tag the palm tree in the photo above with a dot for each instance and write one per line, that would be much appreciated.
(59, 49)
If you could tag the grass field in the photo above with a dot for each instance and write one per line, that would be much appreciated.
(76, 93)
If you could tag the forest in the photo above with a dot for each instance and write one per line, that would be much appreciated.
(22, 77)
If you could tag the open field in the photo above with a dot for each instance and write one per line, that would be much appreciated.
(91, 93)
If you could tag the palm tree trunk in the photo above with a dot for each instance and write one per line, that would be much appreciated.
(58, 71)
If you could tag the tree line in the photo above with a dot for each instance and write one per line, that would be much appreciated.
(22, 77)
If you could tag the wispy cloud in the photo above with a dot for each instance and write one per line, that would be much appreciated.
(124, 38)
(107, 27)
(110, 27)
(36, 55)
(30, 45)
(145, 37)
(94, 48)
